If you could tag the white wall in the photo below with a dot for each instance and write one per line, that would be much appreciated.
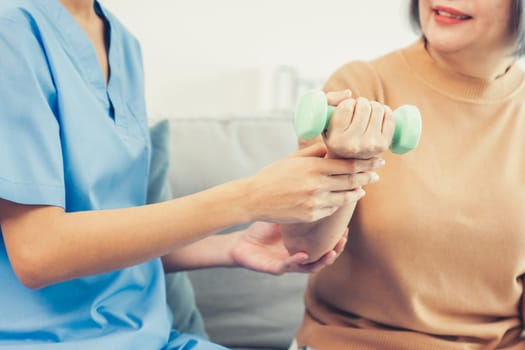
(212, 57)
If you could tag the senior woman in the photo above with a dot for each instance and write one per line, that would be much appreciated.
(435, 257)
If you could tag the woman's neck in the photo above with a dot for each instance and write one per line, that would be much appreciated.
(81, 9)
(488, 67)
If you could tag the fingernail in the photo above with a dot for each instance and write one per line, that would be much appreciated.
(374, 177)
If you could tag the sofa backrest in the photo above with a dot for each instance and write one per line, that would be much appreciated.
(241, 309)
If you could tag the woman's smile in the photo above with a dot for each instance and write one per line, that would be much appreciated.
(447, 15)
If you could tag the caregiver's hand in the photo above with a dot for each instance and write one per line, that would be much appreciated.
(260, 248)
(306, 186)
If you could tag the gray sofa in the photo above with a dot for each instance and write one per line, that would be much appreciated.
(240, 309)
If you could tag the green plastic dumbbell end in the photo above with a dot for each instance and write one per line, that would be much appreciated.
(312, 116)
(408, 129)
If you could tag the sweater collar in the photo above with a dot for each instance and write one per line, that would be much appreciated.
(460, 86)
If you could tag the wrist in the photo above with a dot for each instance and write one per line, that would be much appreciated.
(249, 201)
(233, 239)
(242, 205)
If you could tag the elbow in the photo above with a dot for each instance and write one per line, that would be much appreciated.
(32, 238)
(31, 281)
(31, 269)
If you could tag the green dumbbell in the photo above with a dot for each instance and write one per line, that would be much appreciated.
(313, 114)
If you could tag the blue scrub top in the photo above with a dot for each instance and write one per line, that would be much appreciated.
(67, 139)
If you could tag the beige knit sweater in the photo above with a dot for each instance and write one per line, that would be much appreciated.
(436, 252)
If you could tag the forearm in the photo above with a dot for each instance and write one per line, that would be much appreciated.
(213, 251)
(318, 238)
(47, 245)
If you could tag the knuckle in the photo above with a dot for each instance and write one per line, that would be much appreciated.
(352, 181)
(312, 216)
(350, 197)
(389, 118)
(368, 148)
(311, 205)
(353, 147)
(356, 194)
(348, 152)
(364, 179)
(376, 145)
(362, 101)
(347, 106)
(364, 105)
(343, 148)
(377, 107)
(312, 186)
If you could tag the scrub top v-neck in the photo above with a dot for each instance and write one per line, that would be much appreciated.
(67, 139)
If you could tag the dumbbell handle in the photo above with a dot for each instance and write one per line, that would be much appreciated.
(313, 114)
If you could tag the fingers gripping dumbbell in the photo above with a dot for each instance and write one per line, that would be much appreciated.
(312, 116)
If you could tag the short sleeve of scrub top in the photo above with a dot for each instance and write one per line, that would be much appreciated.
(69, 139)
(31, 169)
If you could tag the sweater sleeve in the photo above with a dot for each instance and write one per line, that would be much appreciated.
(358, 76)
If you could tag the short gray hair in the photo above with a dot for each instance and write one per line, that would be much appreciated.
(517, 25)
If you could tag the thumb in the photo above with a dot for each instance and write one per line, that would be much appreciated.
(336, 97)
(293, 263)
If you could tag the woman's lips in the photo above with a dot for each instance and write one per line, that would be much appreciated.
(447, 15)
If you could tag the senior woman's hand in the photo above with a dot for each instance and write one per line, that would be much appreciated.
(360, 129)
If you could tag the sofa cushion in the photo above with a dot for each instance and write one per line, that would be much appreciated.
(241, 309)
(181, 300)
